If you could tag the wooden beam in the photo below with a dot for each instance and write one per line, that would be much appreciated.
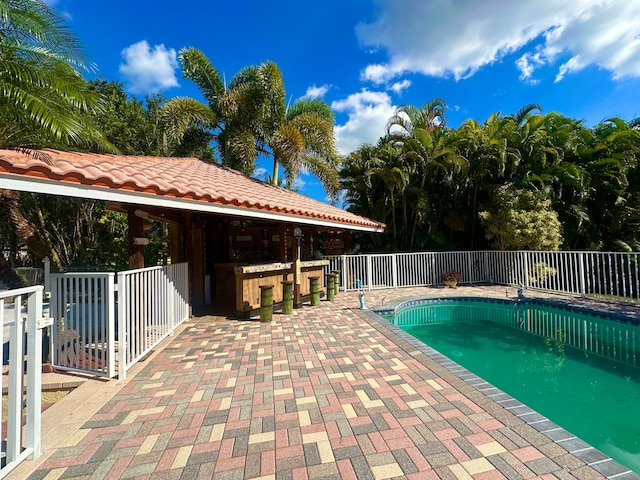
(146, 212)
(115, 207)
(158, 215)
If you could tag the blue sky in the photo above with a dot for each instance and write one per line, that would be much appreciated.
(580, 58)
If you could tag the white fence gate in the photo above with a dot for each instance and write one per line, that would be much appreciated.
(104, 328)
(22, 321)
(83, 331)
(608, 275)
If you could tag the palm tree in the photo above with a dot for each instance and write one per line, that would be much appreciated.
(407, 118)
(608, 155)
(356, 180)
(183, 113)
(547, 145)
(389, 168)
(235, 115)
(249, 110)
(304, 138)
(248, 117)
(374, 178)
(44, 97)
(429, 153)
(490, 157)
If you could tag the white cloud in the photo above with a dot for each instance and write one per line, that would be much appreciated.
(607, 36)
(260, 172)
(367, 113)
(316, 92)
(299, 184)
(527, 63)
(381, 73)
(149, 70)
(456, 38)
(399, 87)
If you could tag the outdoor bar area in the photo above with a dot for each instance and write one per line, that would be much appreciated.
(237, 234)
(256, 254)
(232, 258)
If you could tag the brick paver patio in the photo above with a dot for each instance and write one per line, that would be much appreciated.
(326, 393)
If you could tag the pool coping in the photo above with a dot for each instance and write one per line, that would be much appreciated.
(575, 446)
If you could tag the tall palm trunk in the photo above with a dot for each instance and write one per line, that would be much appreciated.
(274, 177)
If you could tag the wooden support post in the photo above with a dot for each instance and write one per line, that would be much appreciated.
(176, 252)
(188, 249)
(136, 230)
(197, 265)
(297, 296)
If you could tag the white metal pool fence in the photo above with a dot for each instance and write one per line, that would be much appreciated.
(21, 318)
(104, 327)
(608, 275)
(152, 302)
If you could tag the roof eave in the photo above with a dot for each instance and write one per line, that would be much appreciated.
(53, 187)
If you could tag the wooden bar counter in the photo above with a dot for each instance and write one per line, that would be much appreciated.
(311, 268)
(245, 287)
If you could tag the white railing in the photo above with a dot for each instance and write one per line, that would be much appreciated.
(23, 322)
(614, 275)
(94, 330)
(152, 302)
(83, 332)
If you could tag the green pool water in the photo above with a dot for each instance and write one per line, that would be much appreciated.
(592, 397)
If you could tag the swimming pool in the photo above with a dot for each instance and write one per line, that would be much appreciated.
(578, 368)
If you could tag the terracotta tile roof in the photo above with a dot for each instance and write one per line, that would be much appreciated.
(177, 179)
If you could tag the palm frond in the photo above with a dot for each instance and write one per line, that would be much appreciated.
(241, 151)
(521, 114)
(315, 106)
(33, 28)
(181, 112)
(327, 174)
(197, 67)
(288, 147)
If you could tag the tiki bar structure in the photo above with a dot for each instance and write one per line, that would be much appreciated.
(236, 233)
